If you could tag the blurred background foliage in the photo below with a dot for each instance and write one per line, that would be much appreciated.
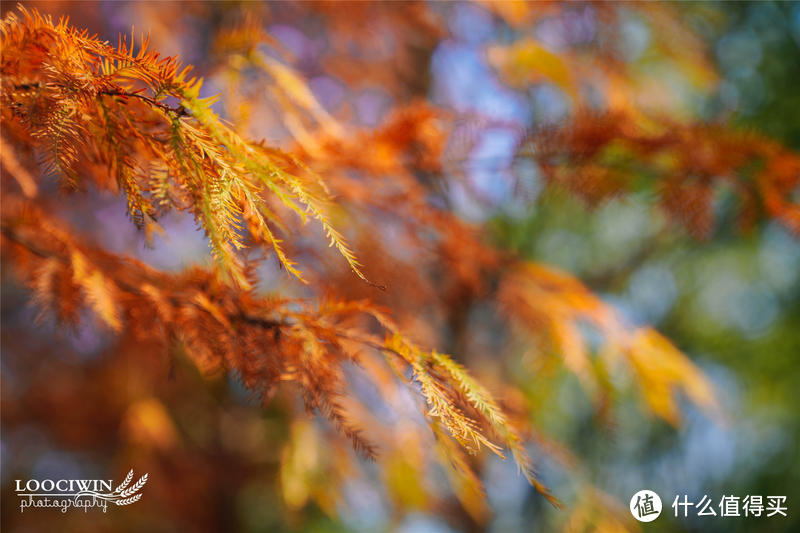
(507, 71)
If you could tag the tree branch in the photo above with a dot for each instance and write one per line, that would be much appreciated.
(179, 111)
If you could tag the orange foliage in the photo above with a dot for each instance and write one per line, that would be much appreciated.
(133, 123)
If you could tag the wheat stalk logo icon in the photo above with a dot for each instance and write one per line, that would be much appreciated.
(123, 494)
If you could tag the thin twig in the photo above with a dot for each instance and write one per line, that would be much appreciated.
(179, 111)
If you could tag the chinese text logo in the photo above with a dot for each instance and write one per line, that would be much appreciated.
(645, 506)
(730, 505)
